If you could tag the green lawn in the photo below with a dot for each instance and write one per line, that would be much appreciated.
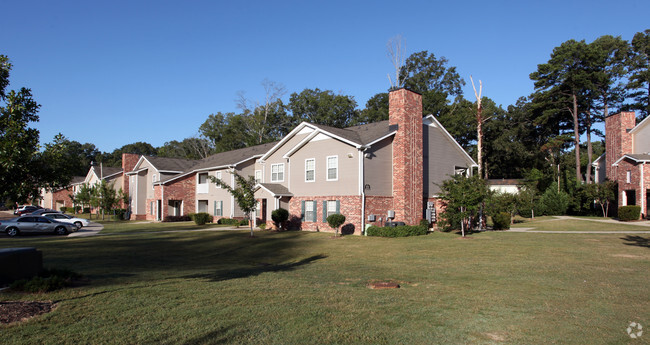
(577, 224)
(111, 227)
(305, 288)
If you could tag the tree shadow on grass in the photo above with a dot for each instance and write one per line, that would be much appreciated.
(246, 272)
(217, 336)
(636, 241)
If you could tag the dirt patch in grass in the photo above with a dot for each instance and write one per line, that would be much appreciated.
(18, 311)
(495, 336)
(628, 256)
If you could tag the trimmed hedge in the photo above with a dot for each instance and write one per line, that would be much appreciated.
(63, 209)
(398, 231)
(232, 221)
(628, 213)
(201, 218)
(501, 221)
(119, 213)
(184, 218)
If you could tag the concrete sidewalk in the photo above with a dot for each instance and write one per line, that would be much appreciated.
(645, 223)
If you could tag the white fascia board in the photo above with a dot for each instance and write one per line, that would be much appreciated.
(138, 163)
(169, 171)
(285, 139)
(631, 158)
(595, 162)
(433, 119)
(246, 160)
(259, 186)
(111, 175)
(135, 172)
(302, 143)
(641, 124)
(379, 139)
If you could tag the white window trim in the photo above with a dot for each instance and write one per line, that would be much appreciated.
(327, 211)
(313, 206)
(327, 168)
(278, 165)
(628, 176)
(314, 169)
(218, 176)
(258, 180)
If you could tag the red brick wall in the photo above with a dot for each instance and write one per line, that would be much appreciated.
(636, 171)
(617, 140)
(129, 161)
(405, 110)
(61, 195)
(182, 189)
(379, 206)
(350, 207)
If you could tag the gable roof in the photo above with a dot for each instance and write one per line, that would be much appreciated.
(166, 164)
(641, 124)
(431, 120)
(638, 158)
(223, 160)
(595, 163)
(274, 189)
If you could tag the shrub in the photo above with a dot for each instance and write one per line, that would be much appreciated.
(335, 220)
(184, 218)
(398, 231)
(425, 223)
(86, 210)
(501, 221)
(119, 213)
(628, 213)
(48, 280)
(279, 217)
(262, 226)
(201, 218)
(63, 209)
(554, 203)
(243, 222)
(77, 209)
(229, 221)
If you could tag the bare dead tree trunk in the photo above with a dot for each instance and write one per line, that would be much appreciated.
(396, 51)
(576, 139)
(259, 114)
(479, 126)
(590, 152)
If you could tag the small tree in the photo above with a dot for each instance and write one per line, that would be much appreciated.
(554, 202)
(603, 194)
(244, 194)
(279, 216)
(335, 221)
(464, 197)
(84, 194)
(105, 197)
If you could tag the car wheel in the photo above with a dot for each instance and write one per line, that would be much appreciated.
(12, 232)
(60, 230)
(78, 224)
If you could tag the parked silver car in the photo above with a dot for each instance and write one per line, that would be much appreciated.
(35, 224)
(79, 222)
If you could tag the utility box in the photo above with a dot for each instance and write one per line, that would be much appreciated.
(19, 263)
(393, 224)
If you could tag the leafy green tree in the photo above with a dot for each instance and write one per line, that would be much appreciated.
(114, 159)
(554, 202)
(226, 132)
(58, 163)
(323, 108)
(84, 195)
(638, 85)
(244, 194)
(376, 110)
(603, 195)
(20, 178)
(266, 120)
(464, 197)
(106, 198)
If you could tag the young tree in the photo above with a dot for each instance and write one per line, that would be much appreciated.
(603, 194)
(244, 194)
(335, 221)
(464, 197)
(84, 195)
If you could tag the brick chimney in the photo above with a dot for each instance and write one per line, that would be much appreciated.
(405, 111)
(617, 139)
(129, 160)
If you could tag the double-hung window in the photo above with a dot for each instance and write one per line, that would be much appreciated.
(310, 170)
(218, 208)
(277, 172)
(258, 176)
(331, 207)
(310, 210)
(332, 168)
(218, 178)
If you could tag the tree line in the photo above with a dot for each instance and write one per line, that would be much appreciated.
(538, 137)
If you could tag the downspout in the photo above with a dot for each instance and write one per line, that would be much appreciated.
(642, 190)
(162, 202)
(362, 189)
(232, 197)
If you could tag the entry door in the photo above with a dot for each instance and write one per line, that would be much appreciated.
(158, 209)
(264, 210)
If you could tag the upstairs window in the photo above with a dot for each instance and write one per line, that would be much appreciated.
(628, 177)
(332, 168)
(218, 178)
(203, 178)
(310, 170)
(258, 176)
(277, 172)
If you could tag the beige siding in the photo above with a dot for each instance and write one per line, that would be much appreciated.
(378, 168)
(347, 182)
(141, 198)
(642, 140)
(441, 156)
(216, 193)
(276, 157)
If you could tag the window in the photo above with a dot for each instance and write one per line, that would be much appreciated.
(151, 208)
(153, 179)
(628, 177)
(218, 208)
(310, 170)
(202, 186)
(203, 178)
(277, 172)
(258, 209)
(203, 206)
(310, 211)
(218, 178)
(460, 171)
(258, 176)
(332, 207)
(332, 168)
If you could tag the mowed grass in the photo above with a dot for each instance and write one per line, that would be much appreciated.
(577, 224)
(111, 227)
(307, 288)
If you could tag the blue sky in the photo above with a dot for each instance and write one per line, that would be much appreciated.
(116, 72)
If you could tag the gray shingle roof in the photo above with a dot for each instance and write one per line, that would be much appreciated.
(639, 156)
(170, 164)
(107, 171)
(276, 188)
(232, 157)
(362, 134)
(77, 179)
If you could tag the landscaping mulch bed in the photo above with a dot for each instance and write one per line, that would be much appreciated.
(16, 311)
